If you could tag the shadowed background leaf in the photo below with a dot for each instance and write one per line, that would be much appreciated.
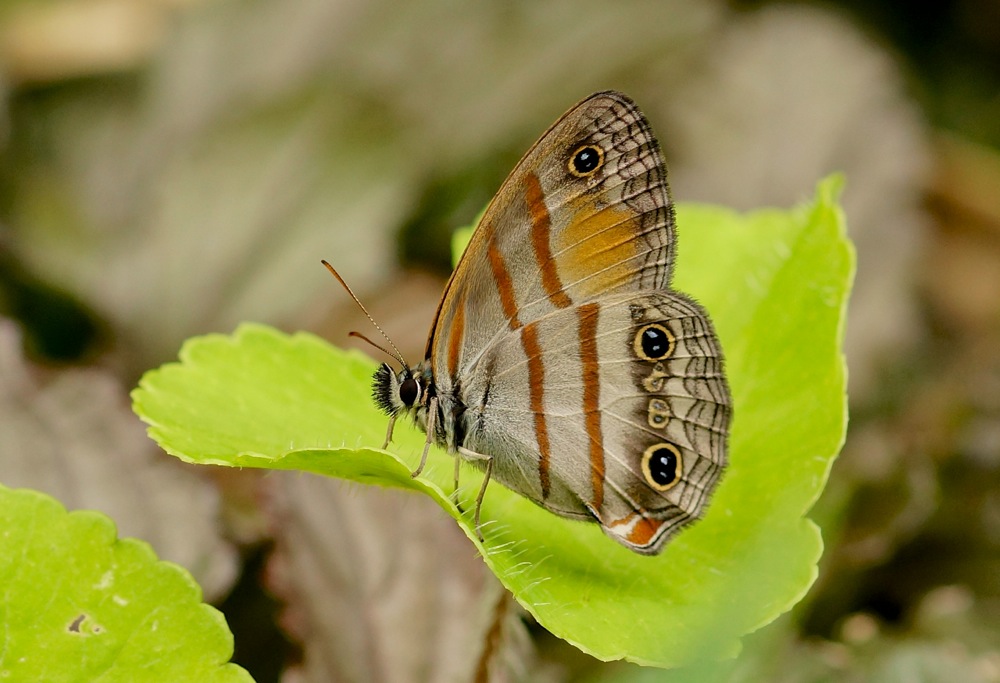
(369, 603)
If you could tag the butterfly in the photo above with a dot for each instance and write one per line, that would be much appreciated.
(560, 361)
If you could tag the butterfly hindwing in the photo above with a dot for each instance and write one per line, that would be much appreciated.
(615, 416)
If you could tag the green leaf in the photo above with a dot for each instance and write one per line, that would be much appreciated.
(776, 284)
(78, 604)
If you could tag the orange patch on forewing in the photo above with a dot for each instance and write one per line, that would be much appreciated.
(597, 250)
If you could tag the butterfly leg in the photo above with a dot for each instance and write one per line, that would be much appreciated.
(431, 416)
(472, 455)
(388, 432)
(482, 493)
(454, 491)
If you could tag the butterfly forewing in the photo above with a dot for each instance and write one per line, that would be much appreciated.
(551, 238)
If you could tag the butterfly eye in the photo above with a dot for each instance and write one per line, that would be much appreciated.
(661, 465)
(654, 342)
(586, 160)
(409, 391)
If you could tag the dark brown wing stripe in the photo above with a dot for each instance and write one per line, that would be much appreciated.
(587, 317)
(536, 393)
(505, 287)
(541, 229)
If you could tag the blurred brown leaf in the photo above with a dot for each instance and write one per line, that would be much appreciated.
(382, 586)
(58, 39)
(70, 434)
(265, 136)
(785, 96)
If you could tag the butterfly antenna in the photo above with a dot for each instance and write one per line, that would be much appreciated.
(384, 350)
(397, 355)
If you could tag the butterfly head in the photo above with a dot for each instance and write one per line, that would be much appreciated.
(397, 392)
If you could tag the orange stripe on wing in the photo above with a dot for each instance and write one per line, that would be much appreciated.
(587, 318)
(536, 393)
(541, 229)
(533, 351)
(505, 286)
(456, 333)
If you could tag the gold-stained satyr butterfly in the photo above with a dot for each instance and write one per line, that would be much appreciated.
(560, 361)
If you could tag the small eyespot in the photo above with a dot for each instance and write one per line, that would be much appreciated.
(658, 413)
(654, 342)
(586, 161)
(661, 465)
(409, 391)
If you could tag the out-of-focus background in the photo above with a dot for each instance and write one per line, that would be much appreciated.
(173, 167)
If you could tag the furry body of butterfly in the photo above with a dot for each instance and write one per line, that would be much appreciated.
(560, 361)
